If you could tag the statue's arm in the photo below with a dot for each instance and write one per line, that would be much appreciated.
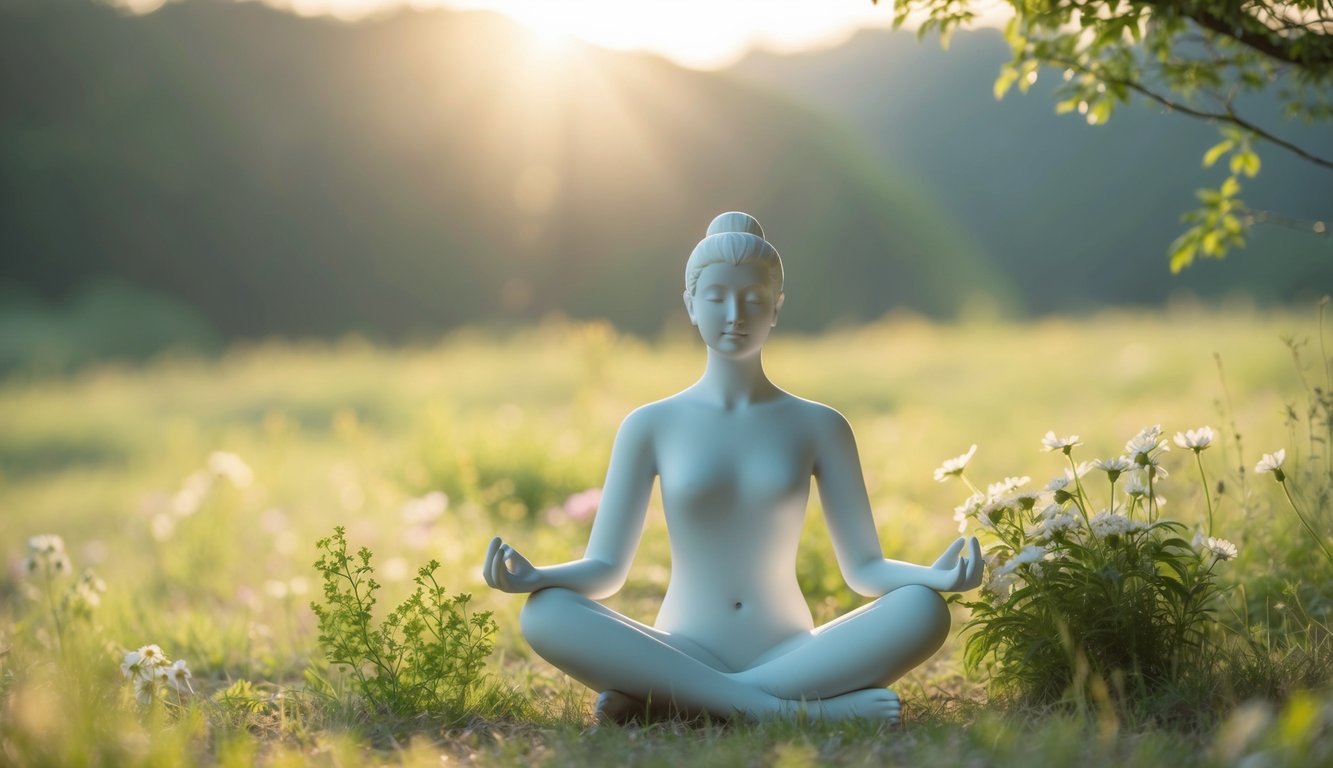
(842, 492)
(615, 530)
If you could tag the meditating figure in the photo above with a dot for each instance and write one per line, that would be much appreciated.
(734, 455)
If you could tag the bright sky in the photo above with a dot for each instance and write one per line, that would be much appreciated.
(696, 33)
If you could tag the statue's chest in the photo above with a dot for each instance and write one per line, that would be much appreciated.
(733, 466)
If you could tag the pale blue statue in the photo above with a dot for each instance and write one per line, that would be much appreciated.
(733, 455)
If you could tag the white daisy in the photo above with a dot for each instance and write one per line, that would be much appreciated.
(1051, 442)
(1272, 462)
(955, 466)
(1195, 439)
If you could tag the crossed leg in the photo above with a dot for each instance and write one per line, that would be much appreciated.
(836, 671)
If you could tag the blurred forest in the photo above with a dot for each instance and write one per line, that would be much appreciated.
(219, 170)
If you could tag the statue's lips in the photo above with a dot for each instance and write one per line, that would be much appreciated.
(734, 334)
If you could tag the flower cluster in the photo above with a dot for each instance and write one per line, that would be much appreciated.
(152, 673)
(46, 555)
(1088, 561)
(46, 565)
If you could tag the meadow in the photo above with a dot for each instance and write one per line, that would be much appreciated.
(196, 488)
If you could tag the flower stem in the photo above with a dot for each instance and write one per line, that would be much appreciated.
(1083, 497)
(1208, 497)
(1309, 529)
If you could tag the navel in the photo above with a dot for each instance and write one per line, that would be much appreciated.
(738, 605)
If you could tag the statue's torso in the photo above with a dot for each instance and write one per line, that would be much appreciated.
(735, 485)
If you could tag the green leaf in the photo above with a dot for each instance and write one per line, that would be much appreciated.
(1216, 151)
(1008, 75)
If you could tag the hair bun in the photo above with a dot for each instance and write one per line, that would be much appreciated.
(735, 221)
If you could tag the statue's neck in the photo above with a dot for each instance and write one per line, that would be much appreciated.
(735, 382)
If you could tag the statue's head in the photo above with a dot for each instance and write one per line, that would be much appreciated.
(733, 285)
(734, 238)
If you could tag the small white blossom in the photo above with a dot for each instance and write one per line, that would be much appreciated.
(996, 490)
(1272, 462)
(145, 689)
(955, 466)
(1050, 525)
(1032, 553)
(1051, 442)
(232, 467)
(426, 509)
(1000, 584)
(1111, 523)
(969, 508)
(143, 663)
(177, 676)
(1220, 548)
(192, 493)
(1145, 443)
(1114, 467)
(1195, 439)
(46, 552)
(90, 588)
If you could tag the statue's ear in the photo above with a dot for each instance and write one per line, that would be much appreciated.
(777, 308)
(689, 307)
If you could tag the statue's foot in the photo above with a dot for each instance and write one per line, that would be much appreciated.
(879, 704)
(616, 707)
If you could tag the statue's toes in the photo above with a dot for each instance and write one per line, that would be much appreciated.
(616, 707)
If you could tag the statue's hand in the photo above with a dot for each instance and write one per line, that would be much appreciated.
(952, 573)
(508, 571)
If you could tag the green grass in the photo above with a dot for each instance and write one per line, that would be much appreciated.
(508, 426)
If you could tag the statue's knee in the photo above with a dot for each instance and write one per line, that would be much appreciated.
(928, 610)
(544, 613)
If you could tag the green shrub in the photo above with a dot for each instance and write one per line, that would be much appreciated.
(427, 655)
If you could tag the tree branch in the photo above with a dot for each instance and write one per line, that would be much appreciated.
(1227, 116)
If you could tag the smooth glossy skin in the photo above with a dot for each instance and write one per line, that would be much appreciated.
(734, 455)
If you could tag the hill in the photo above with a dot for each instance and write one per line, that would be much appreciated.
(422, 170)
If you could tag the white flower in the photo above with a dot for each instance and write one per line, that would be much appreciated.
(1221, 548)
(192, 493)
(47, 552)
(47, 544)
(954, 467)
(1111, 523)
(1146, 443)
(145, 689)
(143, 663)
(1026, 499)
(90, 589)
(1272, 462)
(177, 676)
(1032, 553)
(1000, 584)
(1114, 467)
(1136, 486)
(1053, 443)
(232, 467)
(967, 509)
(132, 665)
(1052, 523)
(162, 526)
(996, 490)
(426, 509)
(1195, 439)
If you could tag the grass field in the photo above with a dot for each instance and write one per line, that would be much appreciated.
(216, 567)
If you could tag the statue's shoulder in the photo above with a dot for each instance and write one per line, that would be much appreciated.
(821, 420)
(647, 419)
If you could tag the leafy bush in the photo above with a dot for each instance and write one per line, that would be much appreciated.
(1085, 601)
(427, 656)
